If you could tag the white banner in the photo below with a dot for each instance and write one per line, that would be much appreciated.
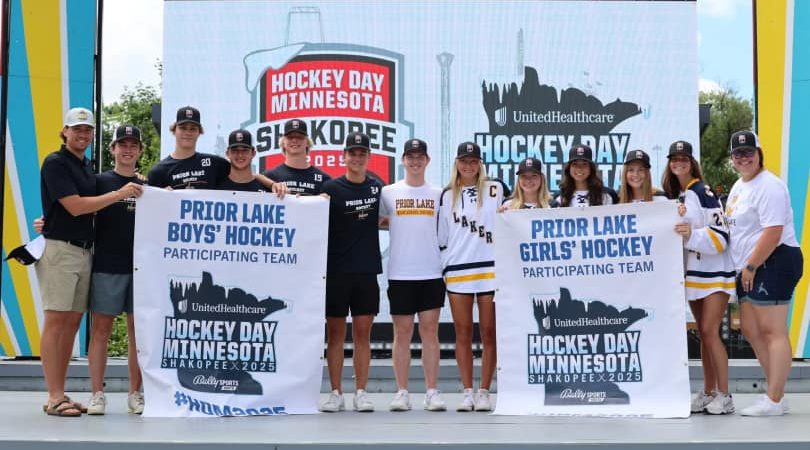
(591, 312)
(229, 302)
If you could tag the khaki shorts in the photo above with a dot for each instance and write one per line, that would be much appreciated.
(64, 276)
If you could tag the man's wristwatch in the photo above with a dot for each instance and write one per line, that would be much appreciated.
(750, 268)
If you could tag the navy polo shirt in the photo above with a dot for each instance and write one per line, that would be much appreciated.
(63, 175)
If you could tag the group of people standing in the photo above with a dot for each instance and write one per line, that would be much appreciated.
(441, 243)
(89, 223)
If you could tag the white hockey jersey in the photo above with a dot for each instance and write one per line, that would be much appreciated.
(708, 263)
(465, 237)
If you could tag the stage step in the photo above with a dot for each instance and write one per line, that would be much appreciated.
(745, 376)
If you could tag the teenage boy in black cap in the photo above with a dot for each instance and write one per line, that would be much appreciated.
(296, 172)
(353, 262)
(111, 283)
(185, 168)
(240, 153)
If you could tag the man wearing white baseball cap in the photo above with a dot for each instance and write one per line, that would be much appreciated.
(69, 200)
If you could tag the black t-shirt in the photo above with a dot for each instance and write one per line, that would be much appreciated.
(250, 186)
(307, 181)
(354, 238)
(115, 227)
(199, 171)
(63, 175)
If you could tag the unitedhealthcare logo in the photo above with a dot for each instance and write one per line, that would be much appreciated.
(500, 116)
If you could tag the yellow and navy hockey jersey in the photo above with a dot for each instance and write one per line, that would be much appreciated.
(708, 263)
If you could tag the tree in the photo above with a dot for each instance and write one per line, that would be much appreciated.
(729, 113)
(134, 107)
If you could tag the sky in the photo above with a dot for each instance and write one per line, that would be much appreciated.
(133, 35)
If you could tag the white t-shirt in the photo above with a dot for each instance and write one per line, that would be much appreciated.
(754, 205)
(414, 248)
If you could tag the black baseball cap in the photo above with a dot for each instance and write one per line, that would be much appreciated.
(188, 114)
(638, 155)
(468, 149)
(127, 131)
(680, 148)
(240, 138)
(530, 165)
(414, 146)
(744, 140)
(29, 253)
(295, 126)
(357, 140)
(580, 151)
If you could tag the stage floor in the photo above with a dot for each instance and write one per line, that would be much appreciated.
(23, 425)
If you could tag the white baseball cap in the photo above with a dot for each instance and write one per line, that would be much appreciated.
(79, 116)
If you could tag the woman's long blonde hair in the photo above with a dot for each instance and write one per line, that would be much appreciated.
(626, 191)
(456, 184)
(518, 199)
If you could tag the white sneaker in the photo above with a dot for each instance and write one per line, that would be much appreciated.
(700, 400)
(401, 401)
(135, 403)
(482, 401)
(433, 401)
(721, 404)
(467, 402)
(98, 404)
(362, 403)
(334, 403)
(765, 407)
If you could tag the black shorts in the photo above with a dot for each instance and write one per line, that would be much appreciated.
(776, 279)
(358, 292)
(473, 293)
(408, 297)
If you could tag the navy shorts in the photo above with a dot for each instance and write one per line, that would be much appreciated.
(775, 280)
(355, 292)
(408, 297)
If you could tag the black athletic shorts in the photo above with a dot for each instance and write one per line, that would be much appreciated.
(408, 297)
(475, 294)
(358, 292)
(775, 280)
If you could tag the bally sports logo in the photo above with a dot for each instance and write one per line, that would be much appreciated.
(336, 89)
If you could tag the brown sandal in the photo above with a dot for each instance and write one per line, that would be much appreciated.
(63, 408)
(77, 405)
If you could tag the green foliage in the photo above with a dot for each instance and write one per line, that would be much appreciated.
(135, 107)
(730, 113)
(118, 341)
